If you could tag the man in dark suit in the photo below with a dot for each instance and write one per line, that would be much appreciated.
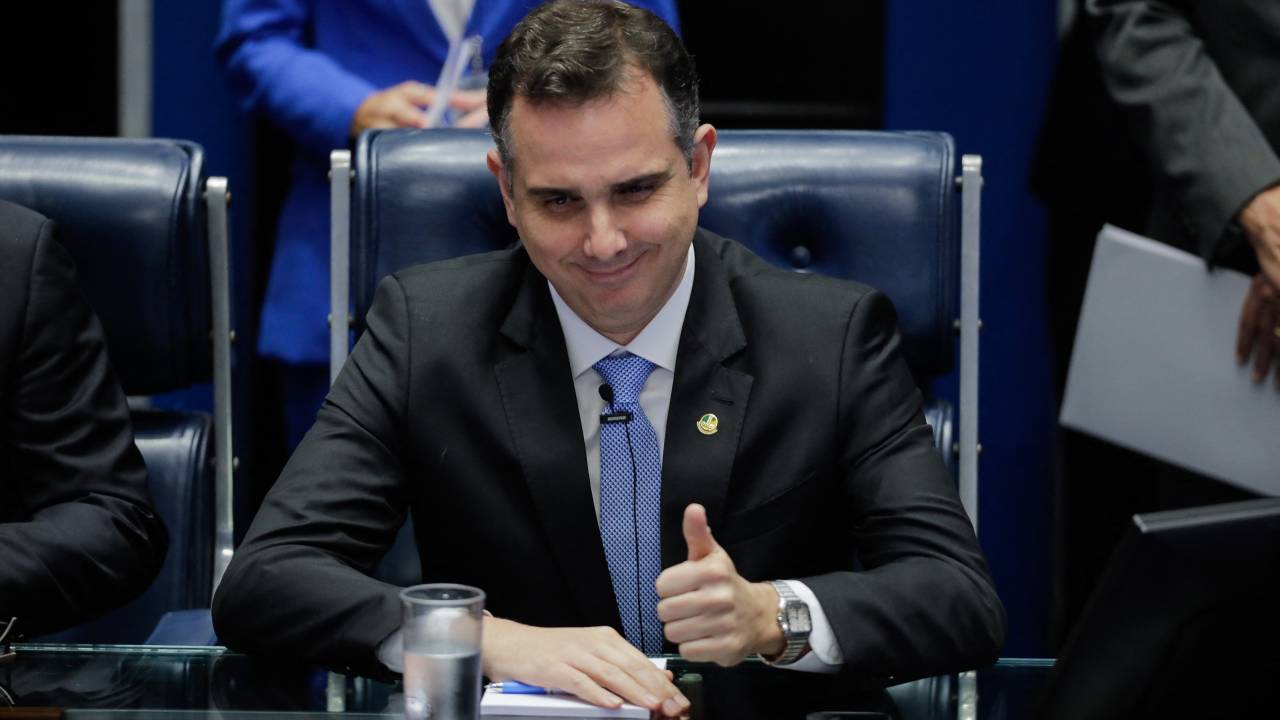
(490, 393)
(78, 535)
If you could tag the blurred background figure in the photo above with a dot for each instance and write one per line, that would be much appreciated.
(78, 535)
(1165, 120)
(323, 72)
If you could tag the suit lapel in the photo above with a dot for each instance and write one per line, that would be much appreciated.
(696, 466)
(542, 412)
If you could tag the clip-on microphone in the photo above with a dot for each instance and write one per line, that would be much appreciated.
(613, 416)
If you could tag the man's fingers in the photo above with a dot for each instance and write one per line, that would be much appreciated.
(710, 650)
(619, 682)
(694, 574)
(714, 599)
(584, 686)
(697, 628)
(637, 680)
(1247, 329)
(406, 114)
(467, 100)
(414, 92)
(697, 534)
(477, 118)
(1264, 346)
(679, 606)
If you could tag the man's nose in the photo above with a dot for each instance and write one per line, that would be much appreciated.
(604, 238)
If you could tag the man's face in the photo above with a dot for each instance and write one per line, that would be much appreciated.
(604, 201)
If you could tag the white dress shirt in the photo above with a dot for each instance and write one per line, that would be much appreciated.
(658, 343)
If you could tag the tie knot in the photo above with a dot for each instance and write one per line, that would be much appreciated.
(626, 374)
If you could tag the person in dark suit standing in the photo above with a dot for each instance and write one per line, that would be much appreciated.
(568, 420)
(78, 535)
(1195, 80)
(1164, 119)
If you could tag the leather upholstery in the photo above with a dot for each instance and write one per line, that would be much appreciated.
(131, 214)
(875, 207)
(941, 416)
(174, 446)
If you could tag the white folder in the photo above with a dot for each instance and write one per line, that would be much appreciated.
(1154, 366)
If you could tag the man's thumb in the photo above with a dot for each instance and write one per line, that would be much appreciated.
(697, 535)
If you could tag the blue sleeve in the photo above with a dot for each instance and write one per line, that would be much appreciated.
(262, 45)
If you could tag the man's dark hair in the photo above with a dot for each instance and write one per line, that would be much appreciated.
(574, 51)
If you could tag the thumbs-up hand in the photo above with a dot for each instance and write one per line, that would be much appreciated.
(711, 611)
(697, 534)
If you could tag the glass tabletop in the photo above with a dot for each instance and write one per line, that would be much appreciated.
(123, 681)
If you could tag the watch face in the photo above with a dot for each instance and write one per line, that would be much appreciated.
(798, 617)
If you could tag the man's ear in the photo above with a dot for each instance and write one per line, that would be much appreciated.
(494, 161)
(704, 143)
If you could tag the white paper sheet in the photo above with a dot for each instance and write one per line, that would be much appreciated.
(1154, 366)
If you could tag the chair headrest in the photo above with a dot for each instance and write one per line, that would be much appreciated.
(130, 213)
(876, 207)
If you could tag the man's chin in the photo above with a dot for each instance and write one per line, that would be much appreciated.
(612, 319)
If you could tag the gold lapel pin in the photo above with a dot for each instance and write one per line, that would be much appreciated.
(708, 424)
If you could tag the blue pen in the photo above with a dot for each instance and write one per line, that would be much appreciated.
(513, 687)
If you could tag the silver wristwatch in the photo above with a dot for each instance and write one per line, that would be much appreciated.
(793, 618)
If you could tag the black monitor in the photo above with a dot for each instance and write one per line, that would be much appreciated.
(1185, 621)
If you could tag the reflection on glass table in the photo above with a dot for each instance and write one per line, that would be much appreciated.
(121, 682)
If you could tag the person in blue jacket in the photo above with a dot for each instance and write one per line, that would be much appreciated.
(324, 71)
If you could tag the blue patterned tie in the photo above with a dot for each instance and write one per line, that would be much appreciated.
(630, 497)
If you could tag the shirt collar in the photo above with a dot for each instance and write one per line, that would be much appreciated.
(658, 342)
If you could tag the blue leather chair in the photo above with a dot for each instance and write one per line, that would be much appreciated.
(147, 230)
(887, 209)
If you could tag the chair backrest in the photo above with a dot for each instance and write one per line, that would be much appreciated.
(876, 207)
(133, 215)
(130, 214)
(175, 447)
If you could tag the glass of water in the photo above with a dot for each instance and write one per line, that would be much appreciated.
(441, 629)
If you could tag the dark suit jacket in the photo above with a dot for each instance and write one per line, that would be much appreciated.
(458, 402)
(78, 535)
(1196, 82)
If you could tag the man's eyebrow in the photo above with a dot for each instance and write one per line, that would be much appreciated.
(550, 192)
(653, 178)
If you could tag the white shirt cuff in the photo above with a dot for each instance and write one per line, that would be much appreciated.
(391, 652)
(824, 655)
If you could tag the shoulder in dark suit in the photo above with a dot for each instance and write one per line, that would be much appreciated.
(458, 404)
(1195, 81)
(78, 535)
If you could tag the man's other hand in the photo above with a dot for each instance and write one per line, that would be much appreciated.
(596, 664)
(1259, 332)
(397, 106)
(1261, 222)
(471, 103)
(711, 611)
(405, 105)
